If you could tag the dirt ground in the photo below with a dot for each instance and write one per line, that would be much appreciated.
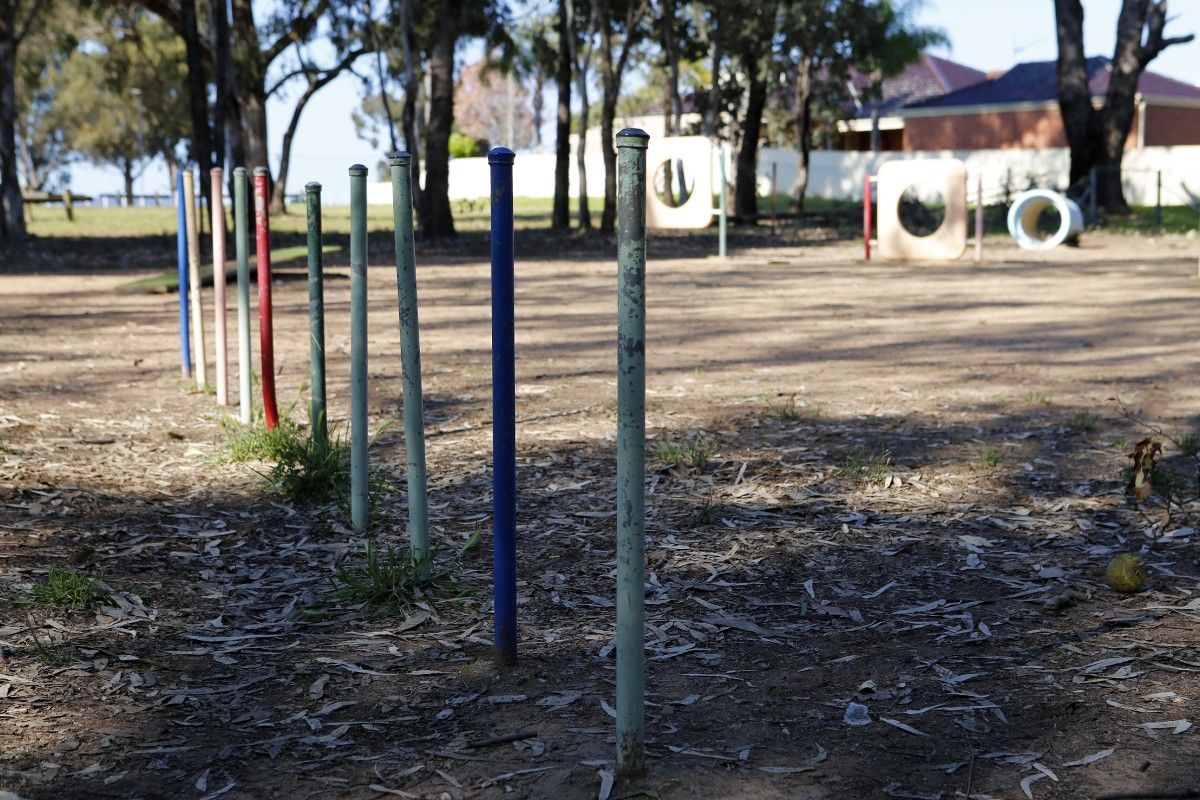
(913, 491)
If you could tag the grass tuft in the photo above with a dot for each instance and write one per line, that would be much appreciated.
(862, 463)
(1034, 398)
(709, 511)
(68, 590)
(696, 453)
(255, 443)
(989, 457)
(790, 411)
(1083, 421)
(397, 581)
(1188, 444)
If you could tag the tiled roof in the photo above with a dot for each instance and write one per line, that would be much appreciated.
(928, 77)
(1037, 81)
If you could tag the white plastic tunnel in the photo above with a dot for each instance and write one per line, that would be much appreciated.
(1028, 206)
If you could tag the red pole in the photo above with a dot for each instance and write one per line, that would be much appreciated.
(867, 216)
(266, 335)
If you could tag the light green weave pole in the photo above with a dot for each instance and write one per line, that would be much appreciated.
(241, 225)
(359, 505)
(631, 450)
(410, 354)
(317, 414)
(723, 219)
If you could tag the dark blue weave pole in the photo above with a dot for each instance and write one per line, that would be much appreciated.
(181, 246)
(504, 413)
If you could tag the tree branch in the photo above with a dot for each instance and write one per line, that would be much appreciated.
(299, 29)
(1156, 22)
(329, 72)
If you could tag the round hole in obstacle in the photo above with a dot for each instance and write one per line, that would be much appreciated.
(1049, 220)
(673, 183)
(921, 213)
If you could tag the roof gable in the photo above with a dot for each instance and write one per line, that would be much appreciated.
(1037, 81)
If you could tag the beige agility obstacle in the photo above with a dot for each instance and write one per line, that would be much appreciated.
(695, 153)
(946, 176)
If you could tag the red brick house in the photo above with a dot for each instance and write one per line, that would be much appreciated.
(1019, 109)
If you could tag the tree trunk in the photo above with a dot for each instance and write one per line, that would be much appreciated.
(876, 94)
(231, 151)
(582, 59)
(608, 111)
(220, 33)
(560, 216)
(412, 97)
(127, 174)
(251, 83)
(1096, 137)
(12, 232)
(611, 73)
(539, 107)
(804, 68)
(708, 125)
(745, 189)
(673, 113)
(197, 95)
(437, 221)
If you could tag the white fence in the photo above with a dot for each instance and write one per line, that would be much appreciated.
(839, 174)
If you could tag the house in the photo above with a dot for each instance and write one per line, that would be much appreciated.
(928, 77)
(1019, 109)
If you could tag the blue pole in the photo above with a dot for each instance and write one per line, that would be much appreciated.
(185, 351)
(504, 412)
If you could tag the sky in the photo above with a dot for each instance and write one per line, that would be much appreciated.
(985, 34)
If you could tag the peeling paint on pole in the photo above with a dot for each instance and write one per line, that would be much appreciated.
(410, 354)
(359, 440)
(266, 332)
(241, 228)
(631, 449)
(317, 413)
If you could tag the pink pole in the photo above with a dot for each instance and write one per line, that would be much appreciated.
(979, 220)
(867, 216)
(218, 249)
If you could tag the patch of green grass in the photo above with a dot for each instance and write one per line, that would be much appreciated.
(989, 457)
(700, 452)
(1165, 482)
(397, 581)
(1188, 444)
(862, 463)
(255, 443)
(1083, 421)
(1175, 219)
(790, 411)
(1120, 444)
(1035, 398)
(695, 453)
(709, 511)
(312, 470)
(669, 453)
(68, 590)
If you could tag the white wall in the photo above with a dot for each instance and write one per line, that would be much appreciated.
(839, 174)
